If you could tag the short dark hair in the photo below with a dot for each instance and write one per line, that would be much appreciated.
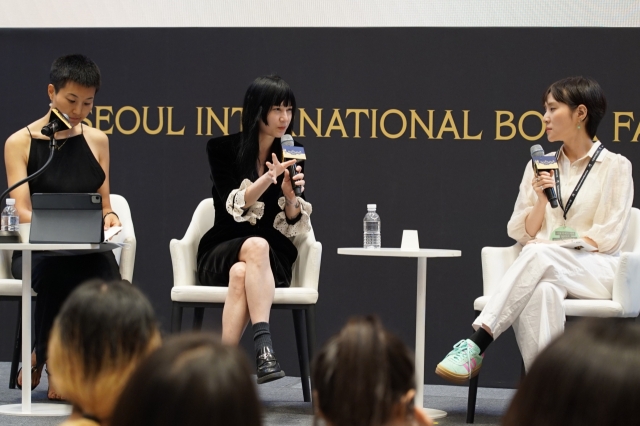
(77, 69)
(262, 94)
(192, 380)
(588, 375)
(361, 375)
(576, 91)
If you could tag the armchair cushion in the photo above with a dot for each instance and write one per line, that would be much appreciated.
(208, 294)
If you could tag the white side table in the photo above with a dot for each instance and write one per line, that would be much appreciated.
(421, 304)
(26, 408)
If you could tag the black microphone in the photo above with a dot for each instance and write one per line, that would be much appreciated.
(286, 141)
(57, 122)
(538, 166)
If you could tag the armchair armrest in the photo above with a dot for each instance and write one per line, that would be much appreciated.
(128, 257)
(626, 285)
(306, 269)
(185, 251)
(495, 262)
(183, 259)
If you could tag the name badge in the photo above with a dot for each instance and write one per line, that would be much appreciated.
(564, 233)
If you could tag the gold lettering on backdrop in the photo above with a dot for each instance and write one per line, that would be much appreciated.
(521, 128)
(237, 109)
(374, 130)
(199, 123)
(415, 118)
(100, 117)
(465, 128)
(339, 126)
(383, 129)
(448, 118)
(636, 134)
(617, 124)
(212, 115)
(145, 126)
(500, 124)
(170, 130)
(135, 113)
(315, 126)
(357, 113)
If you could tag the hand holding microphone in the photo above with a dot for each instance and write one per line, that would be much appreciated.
(290, 151)
(544, 167)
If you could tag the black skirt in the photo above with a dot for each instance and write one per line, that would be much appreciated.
(214, 265)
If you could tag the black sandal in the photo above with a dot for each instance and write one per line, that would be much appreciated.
(33, 370)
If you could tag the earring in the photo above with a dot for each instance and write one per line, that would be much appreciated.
(50, 104)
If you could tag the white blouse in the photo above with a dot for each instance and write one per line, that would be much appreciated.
(600, 211)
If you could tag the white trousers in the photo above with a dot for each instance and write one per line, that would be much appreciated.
(530, 295)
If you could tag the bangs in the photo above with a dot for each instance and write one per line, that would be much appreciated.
(275, 92)
(559, 92)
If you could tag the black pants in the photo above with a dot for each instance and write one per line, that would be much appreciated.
(54, 278)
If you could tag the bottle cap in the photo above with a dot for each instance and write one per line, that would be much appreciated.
(11, 201)
(371, 206)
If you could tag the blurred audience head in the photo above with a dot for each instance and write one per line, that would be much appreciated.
(102, 332)
(590, 375)
(192, 380)
(364, 376)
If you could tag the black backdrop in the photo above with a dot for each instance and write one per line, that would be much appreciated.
(457, 191)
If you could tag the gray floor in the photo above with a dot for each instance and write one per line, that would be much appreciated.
(283, 403)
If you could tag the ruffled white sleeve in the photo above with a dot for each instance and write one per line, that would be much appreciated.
(236, 203)
(516, 227)
(292, 227)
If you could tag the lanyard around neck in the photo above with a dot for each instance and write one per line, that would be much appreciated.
(578, 186)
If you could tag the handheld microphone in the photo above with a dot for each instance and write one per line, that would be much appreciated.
(57, 122)
(540, 163)
(289, 151)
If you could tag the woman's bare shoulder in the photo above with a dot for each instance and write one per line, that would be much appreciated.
(18, 140)
(95, 136)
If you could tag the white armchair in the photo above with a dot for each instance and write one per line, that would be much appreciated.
(11, 289)
(625, 295)
(300, 298)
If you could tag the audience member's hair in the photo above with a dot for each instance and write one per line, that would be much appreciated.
(364, 376)
(590, 375)
(100, 335)
(192, 380)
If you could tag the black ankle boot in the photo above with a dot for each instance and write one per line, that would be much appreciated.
(268, 366)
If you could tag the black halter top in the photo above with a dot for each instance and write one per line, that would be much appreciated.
(74, 168)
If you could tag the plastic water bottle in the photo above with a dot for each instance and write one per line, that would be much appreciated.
(372, 239)
(10, 220)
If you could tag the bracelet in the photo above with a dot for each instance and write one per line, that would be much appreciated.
(295, 204)
(108, 213)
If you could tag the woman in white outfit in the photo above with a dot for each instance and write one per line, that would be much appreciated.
(595, 193)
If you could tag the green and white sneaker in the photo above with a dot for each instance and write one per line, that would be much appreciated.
(462, 363)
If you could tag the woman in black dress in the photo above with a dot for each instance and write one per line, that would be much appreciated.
(81, 165)
(248, 248)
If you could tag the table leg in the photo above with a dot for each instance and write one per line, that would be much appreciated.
(26, 331)
(421, 314)
(26, 408)
(421, 308)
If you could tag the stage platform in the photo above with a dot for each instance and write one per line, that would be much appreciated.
(282, 403)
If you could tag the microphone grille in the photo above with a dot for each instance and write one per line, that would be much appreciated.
(536, 150)
(286, 140)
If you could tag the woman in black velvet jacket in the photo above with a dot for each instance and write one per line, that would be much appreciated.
(248, 248)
